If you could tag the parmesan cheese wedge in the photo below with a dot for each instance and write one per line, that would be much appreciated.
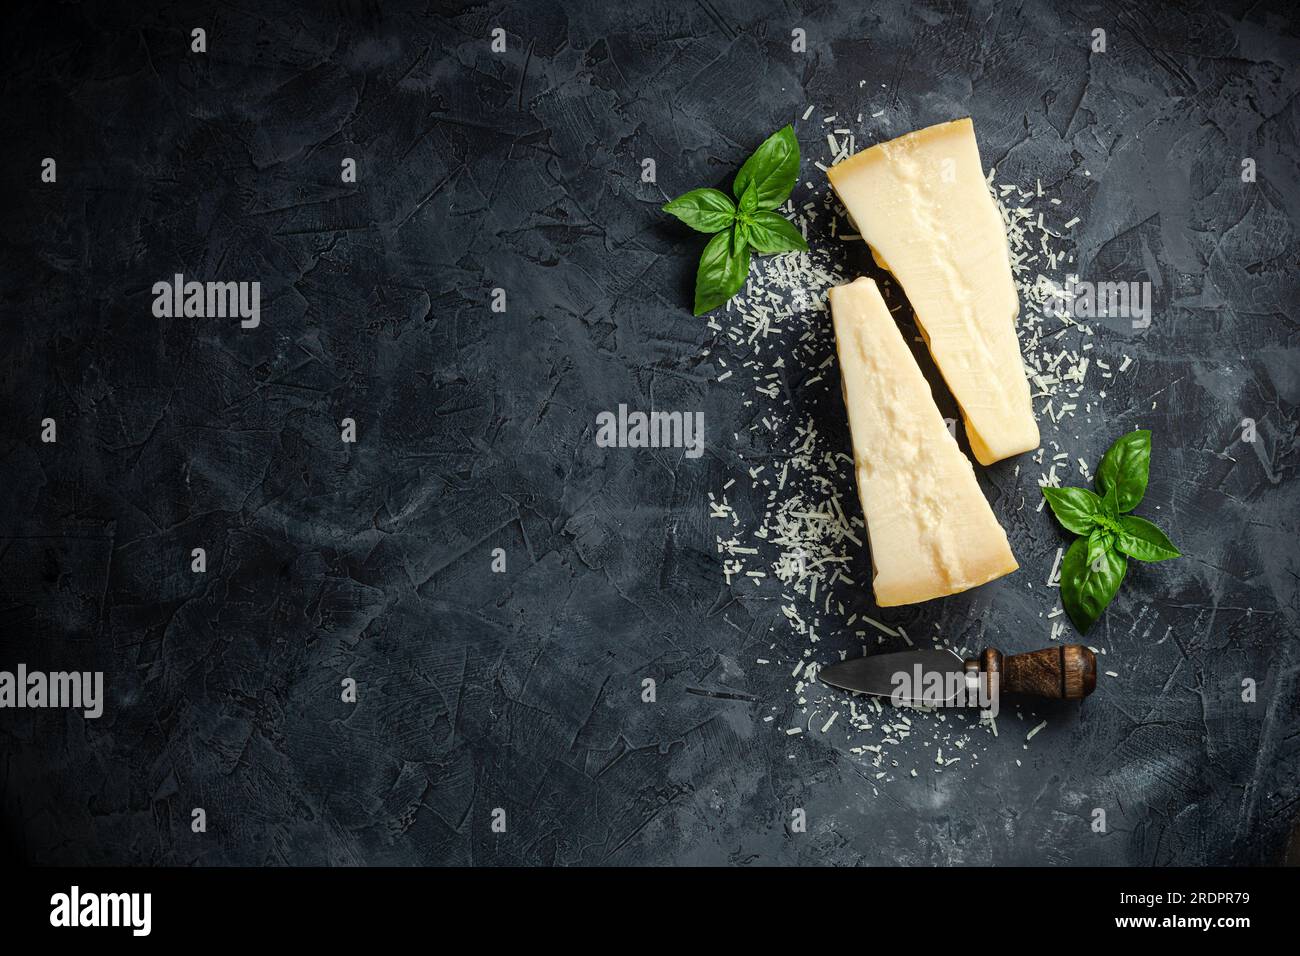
(922, 204)
(932, 532)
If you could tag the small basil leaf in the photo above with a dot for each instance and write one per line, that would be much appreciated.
(749, 201)
(1099, 542)
(740, 239)
(1110, 507)
(724, 266)
(706, 210)
(1088, 586)
(1139, 538)
(771, 232)
(1125, 468)
(1075, 508)
(772, 169)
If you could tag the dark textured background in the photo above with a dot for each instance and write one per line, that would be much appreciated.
(521, 690)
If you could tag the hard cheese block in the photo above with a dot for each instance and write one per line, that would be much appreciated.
(932, 532)
(922, 203)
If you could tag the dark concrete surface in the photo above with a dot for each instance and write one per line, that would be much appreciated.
(522, 690)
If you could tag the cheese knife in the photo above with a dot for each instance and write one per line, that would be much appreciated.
(941, 677)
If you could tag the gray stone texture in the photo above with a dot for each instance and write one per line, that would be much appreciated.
(522, 690)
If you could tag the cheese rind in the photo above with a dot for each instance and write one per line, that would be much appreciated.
(932, 532)
(922, 203)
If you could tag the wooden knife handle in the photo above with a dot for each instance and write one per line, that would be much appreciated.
(1066, 672)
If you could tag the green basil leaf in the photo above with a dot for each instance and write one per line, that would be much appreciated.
(1087, 587)
(1099, 542)
(771, 232)
(1125, 468)
(706, 210)
(1075, 508)
(724, 266)
(1139, 538)
(1109, 508)
(773, 169)
(748, 202)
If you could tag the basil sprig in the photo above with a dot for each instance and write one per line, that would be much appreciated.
(746, 225)
(1094, 566)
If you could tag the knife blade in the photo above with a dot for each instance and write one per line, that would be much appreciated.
(881, 674)
(943, 678)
